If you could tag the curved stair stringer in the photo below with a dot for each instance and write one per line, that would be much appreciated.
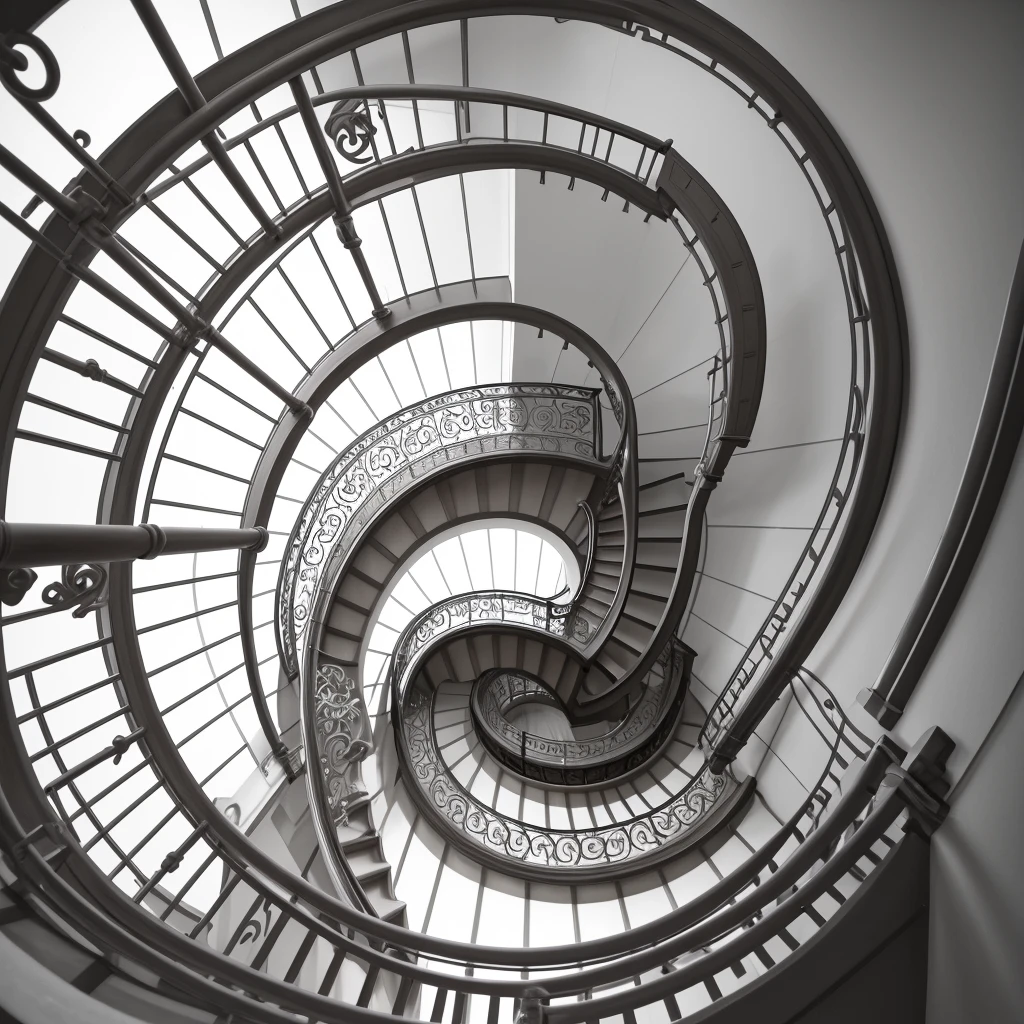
(426, 770)
(742, 366)
(630, 747)
(335, 721)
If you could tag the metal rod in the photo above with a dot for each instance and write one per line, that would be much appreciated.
(43, 116)
(24, 545)
(343, 219)
(464, 46)
(82, 216)
(117, 749)
(196, 101)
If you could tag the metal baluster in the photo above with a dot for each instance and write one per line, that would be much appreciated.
(193, 96)
(343, 216)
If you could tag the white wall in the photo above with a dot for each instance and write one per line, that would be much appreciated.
(977, 901)
(926, 98)
(632, 287)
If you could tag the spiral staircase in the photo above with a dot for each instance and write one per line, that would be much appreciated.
(432, 506)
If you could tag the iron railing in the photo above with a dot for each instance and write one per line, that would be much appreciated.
(400, 452)
(850, 840)
(617, 753)
(369, 124)
(39, 873)
(504, 841)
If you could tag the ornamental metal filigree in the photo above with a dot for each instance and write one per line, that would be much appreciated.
(579, 762)
(342, 730)
(252, 927)
(613, 400)
(531, 845)
(350, 128)
(82, 585)
(403, 449)
(471, 609)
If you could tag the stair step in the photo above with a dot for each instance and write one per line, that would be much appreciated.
(615, 638)
(370, 841)
(633, 633)
(655, 568)
(639, 620)
(596, 606)
(650, 552)
(371, 874)
(643, 607)
(651, 484)
(663, 510)
(394, 912)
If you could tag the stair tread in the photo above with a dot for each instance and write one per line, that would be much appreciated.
(637, 619)
(368, 841)
(372, 872)
(661, 480)
(663, 510)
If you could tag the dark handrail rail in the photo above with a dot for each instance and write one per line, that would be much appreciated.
(457, 94)
(627, 485)
(791, 871)
(576, 762)
(588, 513)
(998, 433)
(881, 816)
(794, 109)
(391, 434)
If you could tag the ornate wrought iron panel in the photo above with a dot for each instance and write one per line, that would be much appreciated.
(581, 762)
(457, 426)
(526, 846)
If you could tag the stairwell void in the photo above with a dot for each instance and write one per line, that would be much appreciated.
(428, 473)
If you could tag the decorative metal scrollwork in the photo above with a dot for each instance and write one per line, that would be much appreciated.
(532, 845)
(342, 730)
(12, 63)
(399, 451)
(350, 128)
(579, 762)
(253, 928)
(82, 585)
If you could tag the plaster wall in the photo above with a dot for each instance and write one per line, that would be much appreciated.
(916, 92)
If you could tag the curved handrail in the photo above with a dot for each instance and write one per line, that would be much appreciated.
(503, 841)
(588, 514)
(790, 107)
(385, 460)
(460, 96)
(622, 750)
(216, 965)
(625, 480)
(718, 448)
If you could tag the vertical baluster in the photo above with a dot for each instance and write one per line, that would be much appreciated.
(366, 992)
(437, 1014)
(331, 974)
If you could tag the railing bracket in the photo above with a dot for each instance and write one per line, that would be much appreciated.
(51, 830)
